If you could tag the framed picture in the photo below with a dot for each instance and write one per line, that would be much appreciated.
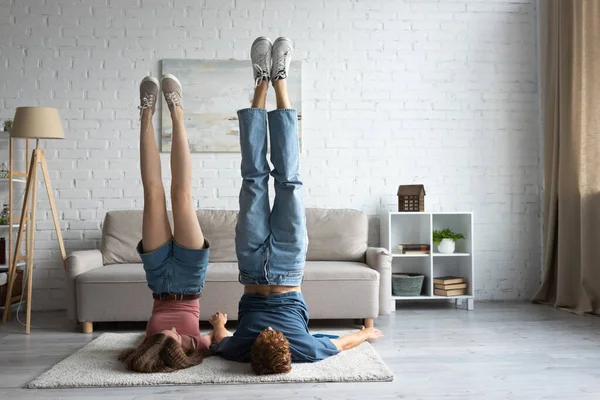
(213, 91)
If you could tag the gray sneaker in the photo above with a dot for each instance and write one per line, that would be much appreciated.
(148, 94)
(260, 55)
(172, 90)
(282, 57)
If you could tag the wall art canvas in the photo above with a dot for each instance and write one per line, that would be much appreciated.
(213, 91)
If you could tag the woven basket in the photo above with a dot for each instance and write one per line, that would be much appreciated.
(407, 284)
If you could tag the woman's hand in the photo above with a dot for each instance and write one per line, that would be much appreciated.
(218, 319)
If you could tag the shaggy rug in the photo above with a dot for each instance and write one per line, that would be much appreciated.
(96, 365)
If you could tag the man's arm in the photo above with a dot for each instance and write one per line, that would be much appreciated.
(352, 340)
(218, 321)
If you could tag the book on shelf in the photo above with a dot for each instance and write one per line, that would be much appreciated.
(413, 247)
(451, 287)
(448, 280)
(455, 292)
(415, 252)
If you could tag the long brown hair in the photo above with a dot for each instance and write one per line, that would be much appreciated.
(161, 353)
(270, 353)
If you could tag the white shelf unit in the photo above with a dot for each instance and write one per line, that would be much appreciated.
(417, 227)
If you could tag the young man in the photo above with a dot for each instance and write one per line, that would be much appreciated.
(271, 245)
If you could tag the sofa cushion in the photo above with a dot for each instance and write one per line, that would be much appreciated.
(228, 272)
(334, 235)
(122, 230)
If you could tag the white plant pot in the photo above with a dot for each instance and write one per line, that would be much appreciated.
(447, 246)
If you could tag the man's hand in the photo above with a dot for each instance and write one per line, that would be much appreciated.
(371, 333)
(218, 319)
(352, 340)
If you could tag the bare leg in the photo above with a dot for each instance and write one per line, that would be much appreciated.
(260, 95)
(187, 228)
(156, 230)
(281, 93)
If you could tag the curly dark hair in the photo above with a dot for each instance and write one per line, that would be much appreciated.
(270, 353)
(161, 353)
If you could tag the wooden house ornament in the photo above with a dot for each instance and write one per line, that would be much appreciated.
(411, 198)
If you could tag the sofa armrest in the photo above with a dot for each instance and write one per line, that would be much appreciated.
(380, 260)
(79, 262)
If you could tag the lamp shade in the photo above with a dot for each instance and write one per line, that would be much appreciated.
(37, 123)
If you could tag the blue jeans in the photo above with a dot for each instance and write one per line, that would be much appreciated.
(270, 245)
(175, 269)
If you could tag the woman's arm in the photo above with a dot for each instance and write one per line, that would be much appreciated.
(210, 338)
(218, 321)
(352, 340)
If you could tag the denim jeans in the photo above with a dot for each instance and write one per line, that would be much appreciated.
(175, 269)
(270, 244)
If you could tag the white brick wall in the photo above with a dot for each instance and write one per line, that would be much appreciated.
(436, 92)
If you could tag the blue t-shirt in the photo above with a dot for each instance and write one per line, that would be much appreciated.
(285, 312)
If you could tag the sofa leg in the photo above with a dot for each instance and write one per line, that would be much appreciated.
(88, 327)
(369, 322)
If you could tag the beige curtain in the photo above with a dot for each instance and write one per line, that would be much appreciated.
(570, 67)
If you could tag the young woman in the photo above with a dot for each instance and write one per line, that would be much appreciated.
(271, 246)
(175, 264)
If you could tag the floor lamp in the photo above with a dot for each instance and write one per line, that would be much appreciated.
(33, 123)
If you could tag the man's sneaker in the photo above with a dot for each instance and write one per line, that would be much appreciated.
(148, 94)
(282, 57)
(172, 90)
(260, 55)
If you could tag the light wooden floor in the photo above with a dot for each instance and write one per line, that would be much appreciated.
(499, 351)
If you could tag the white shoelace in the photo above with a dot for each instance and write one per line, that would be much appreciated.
(260, 74)
(173, 98)
(281, 66)
(147, 102)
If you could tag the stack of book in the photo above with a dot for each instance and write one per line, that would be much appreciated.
(449, 286)
(414, 248)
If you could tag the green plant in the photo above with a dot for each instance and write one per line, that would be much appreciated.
(447, 233)
(7, 124)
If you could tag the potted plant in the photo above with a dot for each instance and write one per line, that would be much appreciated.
(445, 240)
(7, 125)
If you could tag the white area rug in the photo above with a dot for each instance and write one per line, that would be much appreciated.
(96, 365)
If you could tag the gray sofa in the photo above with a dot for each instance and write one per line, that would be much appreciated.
(343, 277)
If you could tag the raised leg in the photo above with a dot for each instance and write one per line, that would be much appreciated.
(288, 218)
(187, 231)
(252, 229)
(369, 323)
(259, 100)
(88, 327)
(156, 230)
(281, 94)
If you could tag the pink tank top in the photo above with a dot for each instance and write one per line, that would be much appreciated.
(182, 315)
